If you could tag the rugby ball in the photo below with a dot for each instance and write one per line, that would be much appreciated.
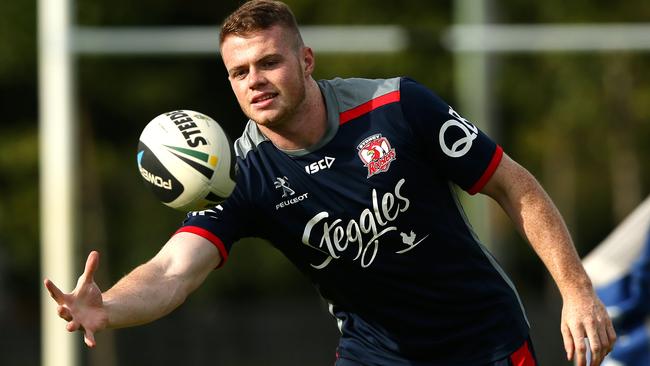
(186, 159)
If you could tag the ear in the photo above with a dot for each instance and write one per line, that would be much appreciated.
(308, 61)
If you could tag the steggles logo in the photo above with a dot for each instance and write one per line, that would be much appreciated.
(376, 154)
(333, 236)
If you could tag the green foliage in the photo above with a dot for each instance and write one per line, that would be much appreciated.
(587, 109)
(579, 121)
(17, 41)
(577, 11)
(19, 201)
(585, 105)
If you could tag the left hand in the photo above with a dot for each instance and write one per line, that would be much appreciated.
(584, 316)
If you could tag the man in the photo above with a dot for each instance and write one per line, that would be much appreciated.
(350, 179)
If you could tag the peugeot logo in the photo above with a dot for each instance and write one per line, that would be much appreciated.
(283, 182)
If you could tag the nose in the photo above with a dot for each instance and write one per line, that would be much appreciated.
(255, 78)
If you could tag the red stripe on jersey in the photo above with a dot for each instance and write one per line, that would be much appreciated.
(487, 174)
(209, 236)
(522, 356)
(368, 106)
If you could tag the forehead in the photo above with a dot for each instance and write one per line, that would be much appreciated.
(237, 49)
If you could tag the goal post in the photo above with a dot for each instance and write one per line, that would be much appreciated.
(57, 183)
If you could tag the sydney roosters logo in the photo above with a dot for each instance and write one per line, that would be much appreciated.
(376, 154)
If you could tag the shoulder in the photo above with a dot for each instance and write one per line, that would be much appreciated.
(352, 92)
(249, 140)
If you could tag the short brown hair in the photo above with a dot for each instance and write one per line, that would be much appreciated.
(259, 15)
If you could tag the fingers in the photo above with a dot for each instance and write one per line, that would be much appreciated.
(92, 263)
(89, 336)
(588, 344)
(72, 326)
(574, 344)
(78, 298)
(611, 335)
(605, 345)
(580, 349)
(54, 291)
(602, 342)
(595, 344)
(89, 339)
(64, 313)
(569, 347)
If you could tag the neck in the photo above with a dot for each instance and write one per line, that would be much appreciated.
(307, 125)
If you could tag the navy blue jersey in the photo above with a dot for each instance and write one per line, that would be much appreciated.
(370, 215)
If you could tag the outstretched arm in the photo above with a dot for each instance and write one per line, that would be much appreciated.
(147, 293)
(538, 220)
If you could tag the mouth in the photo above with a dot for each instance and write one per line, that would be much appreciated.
(264, 97)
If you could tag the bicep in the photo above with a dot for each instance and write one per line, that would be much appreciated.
(459, 150)
(509, 183)
(517, 192)
(188, 258)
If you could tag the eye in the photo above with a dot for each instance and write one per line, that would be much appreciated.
(269, 64)
(238, 74)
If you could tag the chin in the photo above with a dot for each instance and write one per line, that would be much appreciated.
(268, 121)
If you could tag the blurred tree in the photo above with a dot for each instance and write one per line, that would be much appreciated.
(578, 121)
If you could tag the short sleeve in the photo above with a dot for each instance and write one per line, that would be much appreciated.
(223, 224)
(458, 149)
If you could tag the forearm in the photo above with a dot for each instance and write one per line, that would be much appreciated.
(159, 286)
(541, 224)
(539, 221)
(142, 296)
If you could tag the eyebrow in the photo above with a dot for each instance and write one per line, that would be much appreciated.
(231, 71)
(273, 56)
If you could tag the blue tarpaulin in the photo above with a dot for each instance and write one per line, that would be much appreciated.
(620, 270)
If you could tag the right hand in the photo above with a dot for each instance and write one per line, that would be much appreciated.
(83, 308)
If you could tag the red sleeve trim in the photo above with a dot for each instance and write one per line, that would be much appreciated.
(523, 356)
(210, 236)
(487, 174)
(368, 106)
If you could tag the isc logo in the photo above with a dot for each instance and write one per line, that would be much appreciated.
(322, 164)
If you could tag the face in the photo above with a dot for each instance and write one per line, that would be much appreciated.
(268, 74)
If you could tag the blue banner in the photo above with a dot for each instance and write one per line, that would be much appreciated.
(620, 270)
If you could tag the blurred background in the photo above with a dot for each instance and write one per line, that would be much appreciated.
(579, 121)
